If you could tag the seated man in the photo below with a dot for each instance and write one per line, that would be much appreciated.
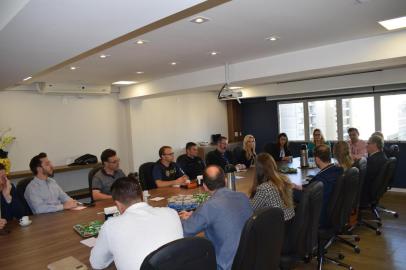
(190, 163)
(43, 194)
(105, 177)
(11, 207)
(375, 161)
(221, 218)
(358, 147)
(328, 175)
(139, 230)
(221, 156)
(166, 172)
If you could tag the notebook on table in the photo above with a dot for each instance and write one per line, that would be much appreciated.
(68, 263)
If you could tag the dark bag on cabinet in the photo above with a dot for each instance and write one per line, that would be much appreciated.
(85, 159)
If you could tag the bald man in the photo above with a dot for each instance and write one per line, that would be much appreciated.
(222, 217)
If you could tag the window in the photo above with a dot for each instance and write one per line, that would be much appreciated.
(291, 120)
(393, 113)
(359, 113)
(323, 115)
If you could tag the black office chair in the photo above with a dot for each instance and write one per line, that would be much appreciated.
(195, 253)
(145, 176)
(377, 190)
(338, 211)
(261, 241)
(90, 176)
(21, 187)
(301, 238)
(361, 165)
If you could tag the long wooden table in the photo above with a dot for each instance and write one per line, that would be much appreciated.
(51, 237)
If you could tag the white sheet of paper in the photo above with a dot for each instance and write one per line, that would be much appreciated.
(90, 242)
(239, 177)
(156, 199)
(77, 208)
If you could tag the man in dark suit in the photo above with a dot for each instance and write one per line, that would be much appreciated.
(221, 156)
(375, 161)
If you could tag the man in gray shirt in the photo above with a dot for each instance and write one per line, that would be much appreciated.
(107, 175)
(43, 194)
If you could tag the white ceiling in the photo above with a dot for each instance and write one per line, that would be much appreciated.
(237, 30)
(44, 33)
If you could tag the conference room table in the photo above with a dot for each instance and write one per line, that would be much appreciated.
(51, 237)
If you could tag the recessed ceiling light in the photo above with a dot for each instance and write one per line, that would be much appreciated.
(141, 41)
(124, 82)
(199, 20)
(104, 56)
(73, 68)
(235, 87)
(173, 63)
(26, 79)
(272, 38)
(393, 24)
(214, 53)
(140, 72)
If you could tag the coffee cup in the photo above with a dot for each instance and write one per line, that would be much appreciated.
(25, 220)
(145, 195)
(199, 179)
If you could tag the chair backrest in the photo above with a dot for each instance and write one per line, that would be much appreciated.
(145, 176)
(382, 181)
(21, 186)
(342, 199)
(361, 165)
(195, 253)
(90, 176)
(261, 241)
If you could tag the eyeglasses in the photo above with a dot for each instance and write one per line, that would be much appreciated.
(114, 161)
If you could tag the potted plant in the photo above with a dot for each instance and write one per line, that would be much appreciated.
(5, 140)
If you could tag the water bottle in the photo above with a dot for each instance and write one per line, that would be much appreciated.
(304, 156)
(230, 175)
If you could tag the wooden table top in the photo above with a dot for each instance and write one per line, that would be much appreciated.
(51, 237)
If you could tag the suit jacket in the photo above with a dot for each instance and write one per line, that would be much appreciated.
(241, 158)
(222, 219)
(274, 150)
(14, 209)
(216, 158)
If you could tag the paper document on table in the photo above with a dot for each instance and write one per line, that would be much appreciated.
(239, 177)
(67, 263)
(77, 208)
(90, 242)
(156, 199)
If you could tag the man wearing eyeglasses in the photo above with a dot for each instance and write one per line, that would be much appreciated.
(109, 173)
(166, 172)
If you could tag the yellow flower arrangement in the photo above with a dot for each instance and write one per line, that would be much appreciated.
(5, 140)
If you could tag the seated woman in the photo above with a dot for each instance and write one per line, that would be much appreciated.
(318, 139)
(247, 154)
(11, 207)
(279, 150)
(270, 188)
(342, 155)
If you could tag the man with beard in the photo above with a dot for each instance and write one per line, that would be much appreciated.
(43, 194)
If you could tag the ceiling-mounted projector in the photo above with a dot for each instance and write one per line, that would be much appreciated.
(229, 92)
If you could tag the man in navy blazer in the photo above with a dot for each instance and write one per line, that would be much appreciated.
(221, 218)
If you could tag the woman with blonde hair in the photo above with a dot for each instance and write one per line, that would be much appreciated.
(342, 155)
(247, 154)
(271, 188)
(318, 139)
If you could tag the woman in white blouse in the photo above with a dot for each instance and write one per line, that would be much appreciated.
(271, 188)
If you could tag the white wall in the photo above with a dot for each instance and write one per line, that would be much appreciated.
(63, 126)
(174, 120)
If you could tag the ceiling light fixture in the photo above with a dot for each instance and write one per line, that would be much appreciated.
(140, 72)
(124, 82)
(73, 68)
(26, 79)
(141, 41)
(395, 23)
(214, 53)
(173, 63)
(104, 56)
(272, 38)
(199, 20)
